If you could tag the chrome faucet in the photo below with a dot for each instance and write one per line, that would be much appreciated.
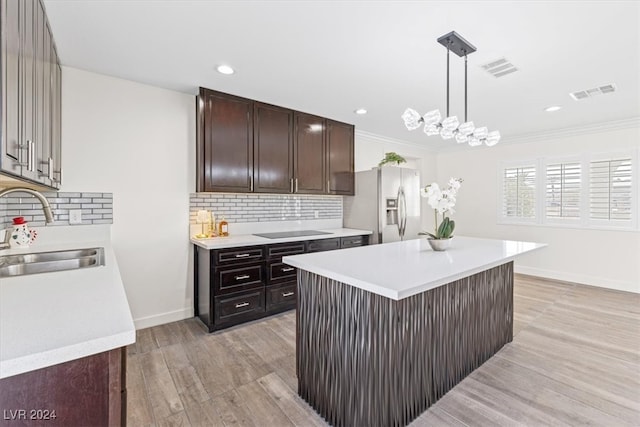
(48, 215)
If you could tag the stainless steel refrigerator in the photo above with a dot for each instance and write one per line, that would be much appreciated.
(386, 201)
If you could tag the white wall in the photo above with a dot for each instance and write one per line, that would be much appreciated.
(138, 142)
(370, 150)
(595, 257)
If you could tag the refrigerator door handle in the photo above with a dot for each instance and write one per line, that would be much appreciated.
(402, 212)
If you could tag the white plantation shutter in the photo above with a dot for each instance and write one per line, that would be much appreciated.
(610, 190)
(519, 192)
(562, 190)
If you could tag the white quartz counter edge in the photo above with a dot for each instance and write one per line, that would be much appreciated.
(52, 318)
(368, 267)
(250, 239)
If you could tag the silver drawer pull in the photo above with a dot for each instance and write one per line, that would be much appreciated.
(242, 304)
(242, 255)
(244, 276)
(287, 294)
(286, 269)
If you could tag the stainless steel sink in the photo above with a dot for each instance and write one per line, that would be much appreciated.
(46, 262)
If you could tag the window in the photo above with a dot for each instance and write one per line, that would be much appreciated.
(563, 188)
(610, 190)
(519, 191)
(598, 191)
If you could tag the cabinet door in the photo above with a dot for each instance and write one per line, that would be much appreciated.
(272, 149)
(27, 76)
(309, 154)
(227, 142)
(56, 126)
(10, 148)
(340, 158)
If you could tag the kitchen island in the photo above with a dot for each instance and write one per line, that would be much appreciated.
(384, 331)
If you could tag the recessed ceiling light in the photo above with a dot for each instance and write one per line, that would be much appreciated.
(552, 108)
(361, 111)
(225, 69)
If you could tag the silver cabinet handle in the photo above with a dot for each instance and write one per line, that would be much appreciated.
(251, 183)
(285, 269)
(287, 294)
(296, 185)
(33, 155)
(242, 277)
(242, 255)
(291, 182)
(50, 171)
(328, 186)
(29, 146)
(242, 304)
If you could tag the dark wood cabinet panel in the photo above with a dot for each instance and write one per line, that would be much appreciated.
(323, 245)
(90, 391)
(249, 146)
(227, 140)
(272, 149)
(238, 284)
(309, 154)
(340, 148)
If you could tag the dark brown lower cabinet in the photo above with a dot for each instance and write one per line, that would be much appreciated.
(240, 284)
(90, 391)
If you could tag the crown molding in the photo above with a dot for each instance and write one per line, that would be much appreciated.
(629, 123)
(385, 139)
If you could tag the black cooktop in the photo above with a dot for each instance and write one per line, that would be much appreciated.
(297, 233)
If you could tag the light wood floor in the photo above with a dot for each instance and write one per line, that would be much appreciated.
(574, 360)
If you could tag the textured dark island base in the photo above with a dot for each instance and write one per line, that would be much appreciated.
(367, 360)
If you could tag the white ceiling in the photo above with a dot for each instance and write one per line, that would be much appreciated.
(331, 57)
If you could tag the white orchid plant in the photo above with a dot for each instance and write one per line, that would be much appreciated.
(442, 201)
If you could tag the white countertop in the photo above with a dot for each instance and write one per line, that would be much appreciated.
(250, 239)
(51, 318)
(402, 269)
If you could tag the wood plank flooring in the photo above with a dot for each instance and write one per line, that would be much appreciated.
(574, 360)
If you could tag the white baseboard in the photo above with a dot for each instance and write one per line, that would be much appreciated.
(160, 319)
(601, 282)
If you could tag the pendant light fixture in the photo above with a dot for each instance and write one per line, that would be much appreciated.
(450, 127)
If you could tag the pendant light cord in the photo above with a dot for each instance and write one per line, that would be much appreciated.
(465, 87)
(448, 79)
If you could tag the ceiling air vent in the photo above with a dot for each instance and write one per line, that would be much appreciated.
(499, 67)
(590, 93)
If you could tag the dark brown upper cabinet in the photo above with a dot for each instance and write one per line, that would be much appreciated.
(225, 155)
(249, 146)
(309, 154)
(340, 160)
(272, 149)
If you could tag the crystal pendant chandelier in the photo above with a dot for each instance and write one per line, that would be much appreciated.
(450, 127)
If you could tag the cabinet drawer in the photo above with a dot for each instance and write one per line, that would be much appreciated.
(278, 271)
(250, 253)
(281, 297)
(278, 251)
(353, 241)
(239, 307)
(235, 279)
(323, 245)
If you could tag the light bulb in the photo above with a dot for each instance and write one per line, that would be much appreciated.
(446, 133)
(450, 123)
(481, 133)
(460, 138)
(466, 128)
(432, 118)
(431, 130)
(492, 138)
(412, 119)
